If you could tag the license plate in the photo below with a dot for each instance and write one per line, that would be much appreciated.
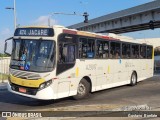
(23, 90)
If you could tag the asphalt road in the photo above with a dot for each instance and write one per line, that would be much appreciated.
(145, 92)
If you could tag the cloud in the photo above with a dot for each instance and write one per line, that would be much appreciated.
(43, 20)
(5, 32)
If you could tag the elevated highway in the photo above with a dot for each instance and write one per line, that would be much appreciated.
(142, 17)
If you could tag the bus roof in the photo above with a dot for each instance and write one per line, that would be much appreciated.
(88, 34)
(108, 36)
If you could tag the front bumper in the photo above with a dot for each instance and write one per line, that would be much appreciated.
(44, 94)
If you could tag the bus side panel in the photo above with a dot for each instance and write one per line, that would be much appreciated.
(104, 73)
(67, 83)
(111, 73)
(118, 73)
(69, 80)
(146, 69)
(87, 68)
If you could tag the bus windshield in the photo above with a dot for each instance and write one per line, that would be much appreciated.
(33, 55)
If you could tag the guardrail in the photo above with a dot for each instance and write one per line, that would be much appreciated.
(157, 64)
(4, 68)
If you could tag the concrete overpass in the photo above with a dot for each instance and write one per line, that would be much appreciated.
(132, 19)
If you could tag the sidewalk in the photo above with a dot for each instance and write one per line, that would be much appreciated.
(112, 109)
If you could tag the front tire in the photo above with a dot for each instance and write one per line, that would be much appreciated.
(83, 89)
(133, 79)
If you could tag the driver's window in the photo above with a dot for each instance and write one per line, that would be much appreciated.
(66, 53)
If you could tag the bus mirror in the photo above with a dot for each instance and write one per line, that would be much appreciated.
(6, 45)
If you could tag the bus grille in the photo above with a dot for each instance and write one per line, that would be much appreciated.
(25, 75)
(29, 91)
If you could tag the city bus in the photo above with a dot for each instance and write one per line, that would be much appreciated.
(50, 63)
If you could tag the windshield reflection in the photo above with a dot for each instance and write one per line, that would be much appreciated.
(33, 55)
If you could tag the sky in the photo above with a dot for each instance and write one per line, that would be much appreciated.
(36, 12)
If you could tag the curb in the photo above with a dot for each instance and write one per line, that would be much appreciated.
(3, 87)
(113, 109)
(97, 110)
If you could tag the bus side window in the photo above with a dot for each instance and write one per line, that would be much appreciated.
(102, 49)
(142, 51)
(135, 51)
(126, 50)
(71, 53)
(149, 52)
(66, 53)
(86, 48)
(115, 50)
(61, 57)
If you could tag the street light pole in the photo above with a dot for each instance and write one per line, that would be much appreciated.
(15, 17)
(85, 14)
(14, 10)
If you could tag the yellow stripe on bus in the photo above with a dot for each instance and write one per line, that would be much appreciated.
(25, 82)
(77, 72)
(36, 26)
(153, 53)
(108, 69)
(85, 34)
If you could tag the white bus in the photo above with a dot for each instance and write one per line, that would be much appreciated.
(56, 62)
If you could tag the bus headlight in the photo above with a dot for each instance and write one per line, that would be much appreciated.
(45, 84)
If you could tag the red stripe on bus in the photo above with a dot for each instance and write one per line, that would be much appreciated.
(109, 38)
(105, 37)
(69, 31)
(54, 78)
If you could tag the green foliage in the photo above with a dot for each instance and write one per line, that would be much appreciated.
(3, 55)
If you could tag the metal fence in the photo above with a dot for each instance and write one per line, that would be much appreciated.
(157, 64)
(4, 67)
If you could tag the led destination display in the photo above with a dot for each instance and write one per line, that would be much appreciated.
(48, 32)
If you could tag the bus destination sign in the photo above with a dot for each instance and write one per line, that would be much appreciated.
(47, 32)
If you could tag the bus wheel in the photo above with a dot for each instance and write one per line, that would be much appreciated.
(133, 79)
(83, 89)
